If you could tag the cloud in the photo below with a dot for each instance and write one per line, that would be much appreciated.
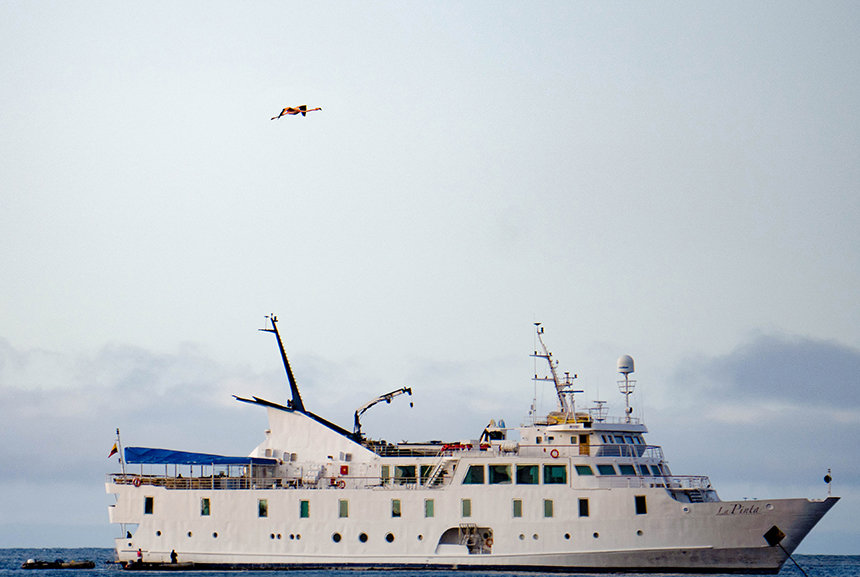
(780, 369)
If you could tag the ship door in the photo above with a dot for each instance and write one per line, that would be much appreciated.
(584, 445)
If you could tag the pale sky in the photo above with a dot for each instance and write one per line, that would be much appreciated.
(674, 181)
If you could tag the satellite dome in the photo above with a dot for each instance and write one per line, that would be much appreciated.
(625, 364)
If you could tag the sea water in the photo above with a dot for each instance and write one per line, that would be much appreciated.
(11, 559)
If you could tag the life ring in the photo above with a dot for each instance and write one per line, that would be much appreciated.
(489, 542)
(341, 484)
(136, 482)
(554, 453)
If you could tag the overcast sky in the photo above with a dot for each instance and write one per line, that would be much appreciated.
(674, 181)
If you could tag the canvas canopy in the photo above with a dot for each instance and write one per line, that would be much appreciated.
(149, 456)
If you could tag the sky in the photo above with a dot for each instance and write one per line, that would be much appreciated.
(673, 181)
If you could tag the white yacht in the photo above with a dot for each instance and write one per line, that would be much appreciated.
(572, 491)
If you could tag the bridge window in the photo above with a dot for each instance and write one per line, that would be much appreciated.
(554, 474)
(606, 470)
(627, 469)
(527, 474)
(425, 473)
(474, 476)
(646, 472)
(500, 474)
(584, 470)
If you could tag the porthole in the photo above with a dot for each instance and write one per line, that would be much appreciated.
(639, 532)
(298, 536)
(292, 536)
(522, 536)
(189, 533)
(158, 533)
(271, 535)
(420, 537)
(567, 536)
(685, 509)
(336, 537)
(363, 537)
(596, 535)
(389, 537)
(279, 535)
(769, 507)
(214, 535)
(535, 536)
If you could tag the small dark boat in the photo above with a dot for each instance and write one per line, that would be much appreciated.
(57, 564)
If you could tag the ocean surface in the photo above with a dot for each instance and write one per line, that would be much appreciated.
(11, 559)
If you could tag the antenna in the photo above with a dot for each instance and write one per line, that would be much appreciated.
(564, 386)
(625, 367)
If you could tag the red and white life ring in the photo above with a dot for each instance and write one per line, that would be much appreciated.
(554, 453)
(341, 484)
(136, 482)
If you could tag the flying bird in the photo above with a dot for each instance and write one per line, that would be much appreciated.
(303, 109)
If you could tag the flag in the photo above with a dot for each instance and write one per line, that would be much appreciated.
(113, 451)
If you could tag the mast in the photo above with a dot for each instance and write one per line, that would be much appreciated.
(296, 402)
(562, 387)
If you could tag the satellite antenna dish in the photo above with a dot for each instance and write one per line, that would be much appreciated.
(625, 367)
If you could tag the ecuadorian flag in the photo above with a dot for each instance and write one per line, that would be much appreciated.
(113, 451)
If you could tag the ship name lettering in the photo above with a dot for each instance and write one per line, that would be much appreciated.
(739, 509)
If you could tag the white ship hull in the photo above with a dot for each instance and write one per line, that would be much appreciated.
(573, 493)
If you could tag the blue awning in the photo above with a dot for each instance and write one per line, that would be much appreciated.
(147, 456)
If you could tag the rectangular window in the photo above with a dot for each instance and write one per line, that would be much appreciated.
(641, 507)
(466, 506)
(474, 476)
(204, 506)
(584, 470)
(555, 474)
(395, 507)
(262, 508)
(656, 470)
(645, 470)
(425, 473)
(343, 508)
(527, 474)
(304, 509)
(500, 474)
(386, 474)
(428, 508)
(606, 469)
(547, 508)
(619, 439)
(404, 474)
(583, 507)
(627, 469)
(518, 507)
(148, 504)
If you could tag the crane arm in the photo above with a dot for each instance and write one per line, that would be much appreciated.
(386, 397)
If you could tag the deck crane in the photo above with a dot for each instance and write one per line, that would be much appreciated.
(386, 397)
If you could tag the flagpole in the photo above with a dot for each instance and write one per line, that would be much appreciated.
(121, 453)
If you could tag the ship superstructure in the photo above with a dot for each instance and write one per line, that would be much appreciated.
(570, 491)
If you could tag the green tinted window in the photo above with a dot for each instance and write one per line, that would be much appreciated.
(404, 474)
(343, 508)
(554, 474)
(466, 505)
(606, 470)
(500, 474)
(627, 469)
(304, 509)
(395, 507)
(204, 506)
(547, 507)
(474, 476)
(584, 470)
(262, 508)
(428, 508)
(518, 508)
(527, 474)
